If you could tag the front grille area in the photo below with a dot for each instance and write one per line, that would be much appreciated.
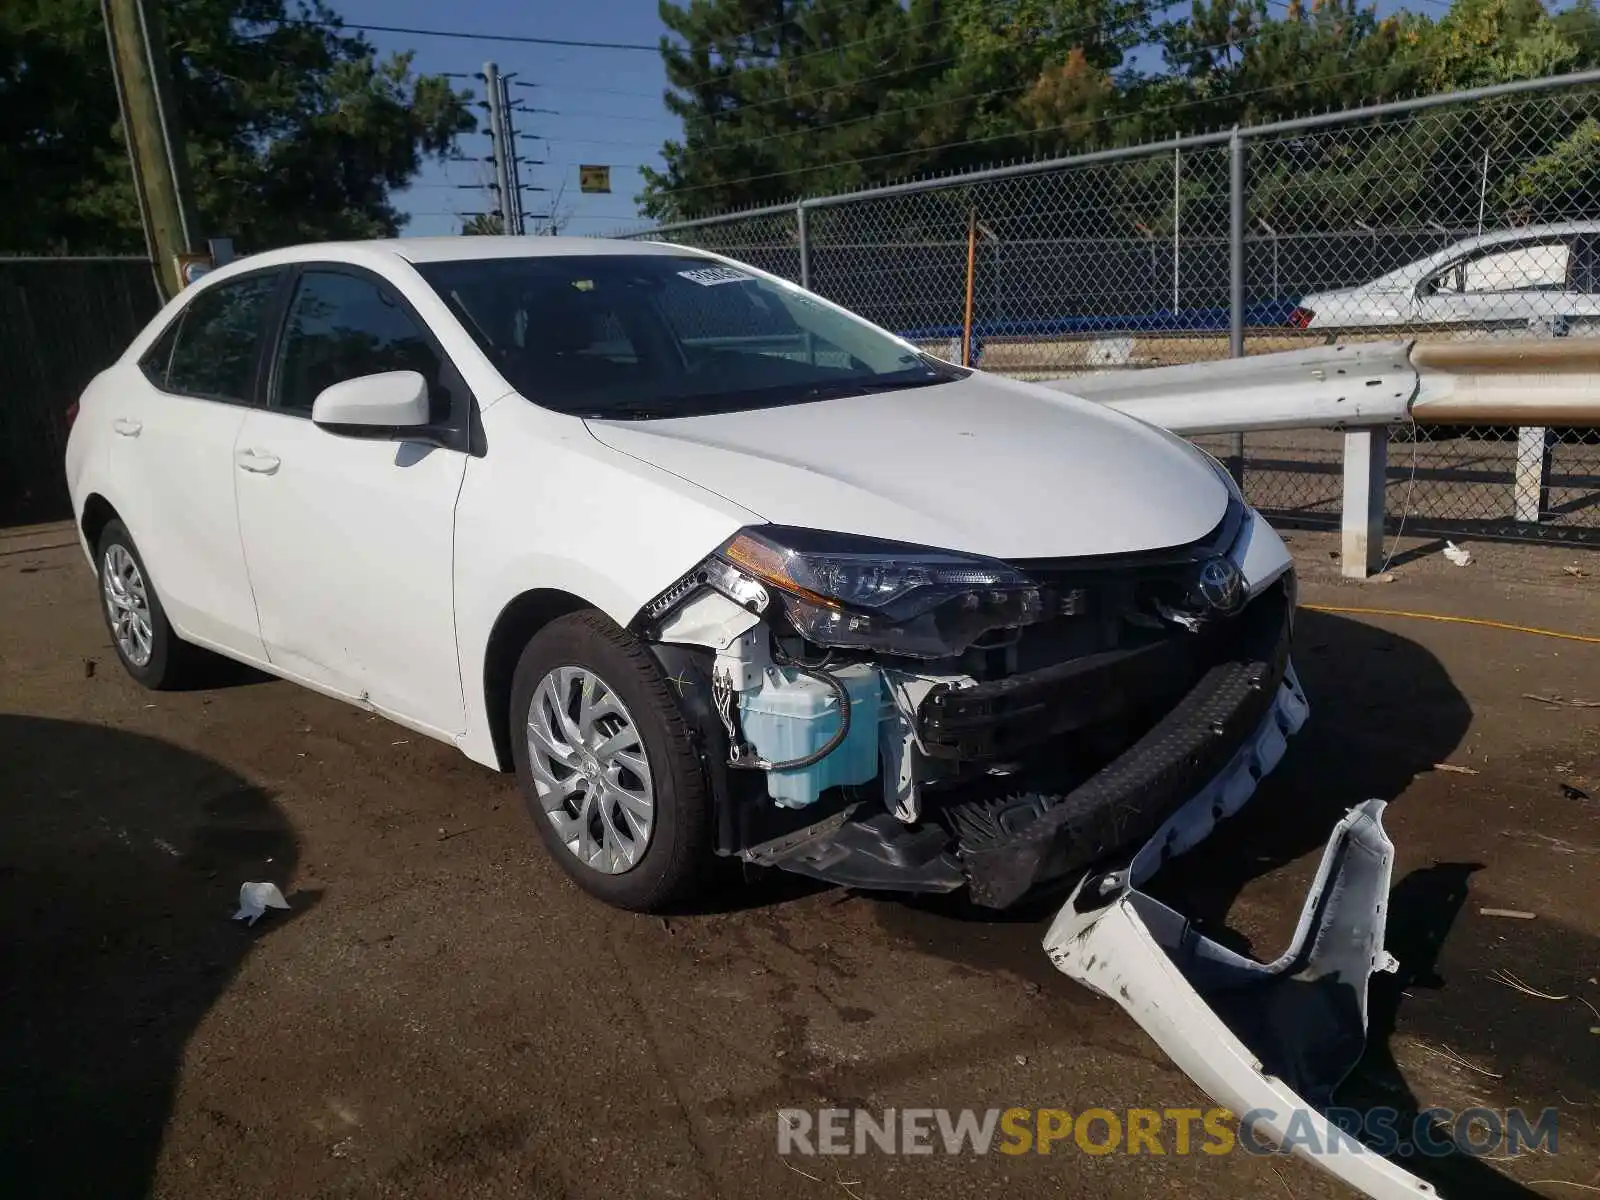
(1017, 830)
(1125, 688)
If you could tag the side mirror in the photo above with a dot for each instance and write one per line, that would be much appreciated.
(374, 406)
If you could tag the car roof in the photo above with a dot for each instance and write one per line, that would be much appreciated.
(381, 252)
(462, 248)
(453, 249)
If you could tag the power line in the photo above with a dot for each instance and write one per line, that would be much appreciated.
(523, 39)
(601, 142)
(789, 98)
(562, 166)
(656, 95)
(602, 116)
(517, 39)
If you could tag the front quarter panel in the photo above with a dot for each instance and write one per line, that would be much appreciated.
(550, 508)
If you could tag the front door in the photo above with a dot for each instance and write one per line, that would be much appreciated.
(349, 540)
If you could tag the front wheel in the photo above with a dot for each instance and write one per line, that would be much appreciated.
(606, 765)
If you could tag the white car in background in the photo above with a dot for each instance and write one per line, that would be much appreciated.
(1543, 278)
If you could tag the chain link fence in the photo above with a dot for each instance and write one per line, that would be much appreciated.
(1466, 216)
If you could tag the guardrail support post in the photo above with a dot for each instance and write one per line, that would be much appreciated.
(1366, 468)
(1531, 482)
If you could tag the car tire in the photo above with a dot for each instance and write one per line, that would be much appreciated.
(637, 839)
(141, 635)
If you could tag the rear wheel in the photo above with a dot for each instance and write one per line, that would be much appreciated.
(140, 632)
(606, 765)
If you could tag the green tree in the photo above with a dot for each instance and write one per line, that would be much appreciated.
(295, 130)
(814, 95)
(807, 97)
(1559, 185)
(483, 225)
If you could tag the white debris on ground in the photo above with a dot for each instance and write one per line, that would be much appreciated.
(256, 898)
(1461, 558)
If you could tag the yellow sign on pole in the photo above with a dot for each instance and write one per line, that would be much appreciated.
(594, 179)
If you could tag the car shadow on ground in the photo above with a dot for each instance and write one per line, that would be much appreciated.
(121, 858)
(1383, 710)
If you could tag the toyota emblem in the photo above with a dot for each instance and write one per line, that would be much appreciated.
(1221, 585)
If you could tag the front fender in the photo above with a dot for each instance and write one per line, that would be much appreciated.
(550, 508)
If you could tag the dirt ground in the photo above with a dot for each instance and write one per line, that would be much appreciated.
(441, 1014)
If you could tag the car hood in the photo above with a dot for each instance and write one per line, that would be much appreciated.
(983, 464)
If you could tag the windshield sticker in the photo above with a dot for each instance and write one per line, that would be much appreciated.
(710, 276)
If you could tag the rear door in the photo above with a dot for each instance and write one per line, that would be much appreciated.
(349, 540)
(171, 459)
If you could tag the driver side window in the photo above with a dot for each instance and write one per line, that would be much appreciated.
(343, 326)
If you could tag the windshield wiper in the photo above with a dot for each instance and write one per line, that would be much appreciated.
(839, 388)
(636, 410)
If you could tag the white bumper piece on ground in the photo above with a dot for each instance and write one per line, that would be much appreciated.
(1269, 1042)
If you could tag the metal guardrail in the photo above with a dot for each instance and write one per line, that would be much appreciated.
(1484, 422)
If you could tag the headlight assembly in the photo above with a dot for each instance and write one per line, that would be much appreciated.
(853, 592)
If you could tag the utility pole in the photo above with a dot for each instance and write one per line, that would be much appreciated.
(502, 153)
(143, 79)
(508, 138)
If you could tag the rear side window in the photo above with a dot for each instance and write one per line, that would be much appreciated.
(157, 360)
(343, 327)
(214, 342)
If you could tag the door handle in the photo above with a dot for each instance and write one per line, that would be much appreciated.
(257, 462)
(126, 427)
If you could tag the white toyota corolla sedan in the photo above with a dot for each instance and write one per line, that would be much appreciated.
(715, 566)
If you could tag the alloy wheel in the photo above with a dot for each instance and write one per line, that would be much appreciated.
(127, 605)
(589, 769)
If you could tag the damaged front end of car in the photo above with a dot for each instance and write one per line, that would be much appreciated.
(887, 716)
(883, 716)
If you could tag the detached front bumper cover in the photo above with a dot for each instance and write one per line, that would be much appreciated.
(1271, 1041)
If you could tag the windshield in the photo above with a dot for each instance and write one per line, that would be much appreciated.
(654, 335)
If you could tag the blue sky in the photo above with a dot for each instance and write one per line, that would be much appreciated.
(608, 102)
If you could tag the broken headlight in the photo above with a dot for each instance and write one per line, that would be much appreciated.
(863, 593)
